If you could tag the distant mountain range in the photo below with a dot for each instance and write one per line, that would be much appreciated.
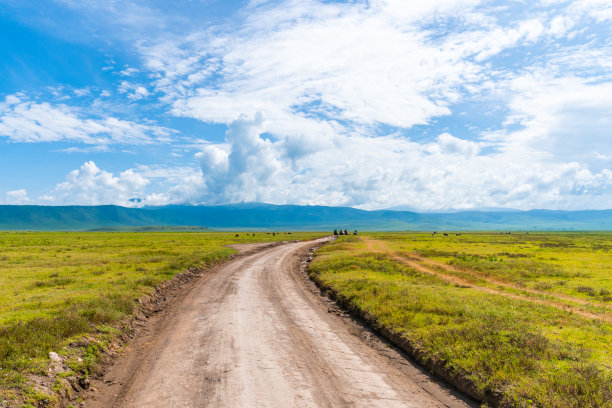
(291, 217)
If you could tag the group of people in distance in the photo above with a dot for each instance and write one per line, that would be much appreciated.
(344, 232)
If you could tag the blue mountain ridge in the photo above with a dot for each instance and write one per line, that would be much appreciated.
(291, 217)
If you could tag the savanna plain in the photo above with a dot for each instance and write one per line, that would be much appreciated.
(524, 319)
(73, 293)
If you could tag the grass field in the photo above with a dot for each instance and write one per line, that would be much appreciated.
(67, 293)
(524, 317)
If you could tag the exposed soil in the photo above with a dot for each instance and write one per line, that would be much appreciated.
(257, 332)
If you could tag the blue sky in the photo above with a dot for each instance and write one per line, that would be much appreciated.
(372, 104)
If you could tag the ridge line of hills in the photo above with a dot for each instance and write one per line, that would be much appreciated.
(293, 217)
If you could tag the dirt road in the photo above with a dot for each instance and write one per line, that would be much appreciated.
(253, 334)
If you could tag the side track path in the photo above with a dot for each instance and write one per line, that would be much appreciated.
(253, 334)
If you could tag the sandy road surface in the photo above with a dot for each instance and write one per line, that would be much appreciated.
(253, 334)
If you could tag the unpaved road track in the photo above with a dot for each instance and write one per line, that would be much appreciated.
(253, 334)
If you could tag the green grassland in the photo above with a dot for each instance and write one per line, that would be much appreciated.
(68, 292)
(525, 318)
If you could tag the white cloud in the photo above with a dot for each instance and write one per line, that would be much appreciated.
(565, 119)
(600, 10)
(304, 85)
(351, 62)
(90, 185)
(129, 71)
(135, 187)
(134, 92)
(449, 145)
(23, 120)
(17, 197)
(365, 172)
(382, 172)
(82, 92)
(359, 103)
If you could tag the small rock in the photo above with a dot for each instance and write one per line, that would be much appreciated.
(55, 357)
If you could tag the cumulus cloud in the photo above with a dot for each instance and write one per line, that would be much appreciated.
(250, 161)
(381, 172)
(91, 185)
(17, 197)
(134, 187)
(24, 120)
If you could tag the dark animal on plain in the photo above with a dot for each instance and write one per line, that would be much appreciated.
(289, 233)
(247, 234)
(457, 234)
(435, 232)
(445, 234)
(273, 234)
(345, 232)
(236, 236)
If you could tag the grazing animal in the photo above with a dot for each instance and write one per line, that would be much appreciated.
(236, 236)
(445, 234)
(457, 234)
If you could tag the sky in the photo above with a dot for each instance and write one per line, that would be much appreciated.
(428, 106)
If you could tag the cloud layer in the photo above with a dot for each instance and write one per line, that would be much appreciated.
(435, 105)
(23, 120)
